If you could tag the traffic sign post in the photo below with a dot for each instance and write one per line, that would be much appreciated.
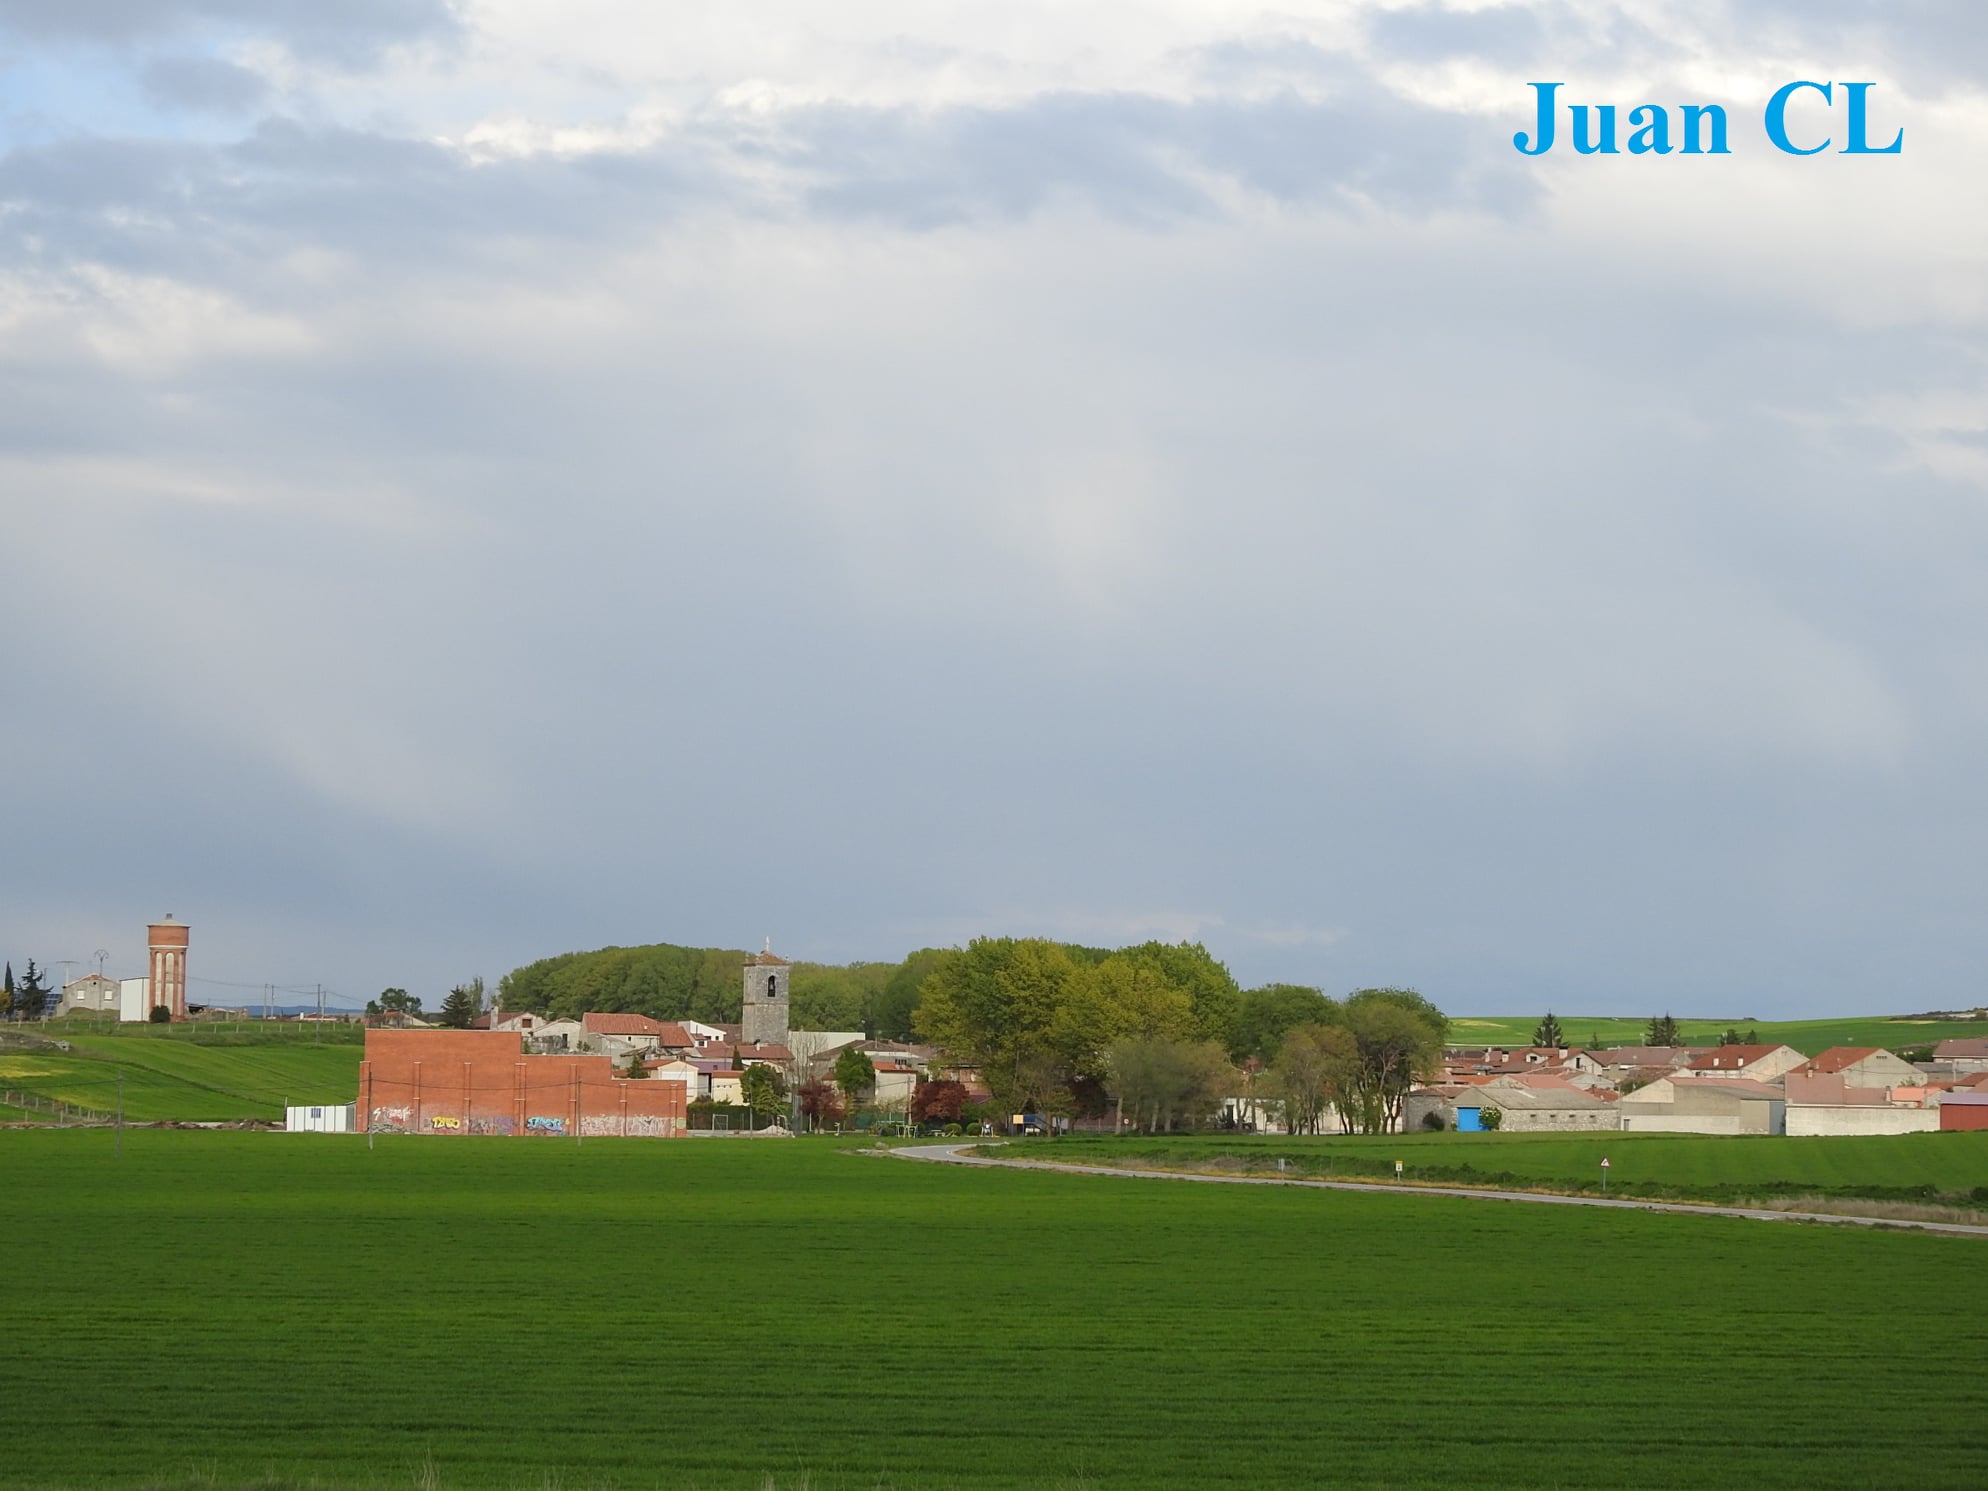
(1604, 1175)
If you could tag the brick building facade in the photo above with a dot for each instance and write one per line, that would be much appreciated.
(481, 1082)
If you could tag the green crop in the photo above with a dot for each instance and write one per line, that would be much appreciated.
(226, 1310)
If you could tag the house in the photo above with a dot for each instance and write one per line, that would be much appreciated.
(93, 994)
(1681, 1104)
(1753, 1063)
(622, 1035)
(559, 1035)
(693, 1075)
(1860, 1066)
(523, 1022)
(1966, 1054)
(895, 1084)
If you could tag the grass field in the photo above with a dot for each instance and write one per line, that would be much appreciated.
(1944, 1167)
(1806, 1036)
(216, 1078)
(226, 1309)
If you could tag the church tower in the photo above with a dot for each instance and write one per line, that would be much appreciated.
(765, 1016)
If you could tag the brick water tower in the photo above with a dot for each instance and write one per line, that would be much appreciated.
(167, 981)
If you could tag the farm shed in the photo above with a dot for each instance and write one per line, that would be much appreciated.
(1964, 1112)
(320, 1118)
(1705, 1105)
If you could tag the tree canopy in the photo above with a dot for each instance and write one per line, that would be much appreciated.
(1548, 1032)
(1264, 1016)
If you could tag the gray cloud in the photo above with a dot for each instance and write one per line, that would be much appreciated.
(209, 84)
(1500, 33)
(861, 524)
(344, 32)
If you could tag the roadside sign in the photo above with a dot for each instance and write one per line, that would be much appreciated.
(1604, 1162)
(1397, 1170)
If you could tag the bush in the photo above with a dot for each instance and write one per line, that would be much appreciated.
(1433, 1120)
(160, 1015)
(1490, 1117)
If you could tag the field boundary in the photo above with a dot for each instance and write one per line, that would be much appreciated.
(957, 1154)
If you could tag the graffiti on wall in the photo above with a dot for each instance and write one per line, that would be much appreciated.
(391, 1118)
(492, 1126)
(445, 1123)
(538, 1125)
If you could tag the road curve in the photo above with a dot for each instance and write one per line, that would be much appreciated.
(956, 1154)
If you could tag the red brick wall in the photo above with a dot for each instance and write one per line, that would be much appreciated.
(481, 1082)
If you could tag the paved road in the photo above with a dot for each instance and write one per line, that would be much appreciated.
(955, 1154)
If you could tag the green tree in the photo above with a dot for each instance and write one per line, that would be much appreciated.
(855, 1074)
(762, 1091)
(7, 991)
(1210, 987)
(1265, 1016)
(1548, 1032)
(1002, 1002)
(634, 1070)
(394, 1002)
(458, 1010)
(1164, 1081)
(159, 1015)
(897, 1002)
(1399, 1036)
(31, 995)
(1317, 1067)
(1662, 1032)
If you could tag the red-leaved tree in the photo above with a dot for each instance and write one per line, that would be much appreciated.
(937, 1102)
(821, 1102)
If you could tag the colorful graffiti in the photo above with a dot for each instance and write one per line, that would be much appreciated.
(538, 1125)
(445, 1123)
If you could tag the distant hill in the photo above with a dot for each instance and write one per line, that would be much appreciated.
(1806, 1036)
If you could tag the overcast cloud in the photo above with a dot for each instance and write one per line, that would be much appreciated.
(479, 481)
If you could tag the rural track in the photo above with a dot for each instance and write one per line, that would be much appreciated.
(955, 1154)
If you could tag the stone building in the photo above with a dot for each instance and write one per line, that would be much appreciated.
(765, 1017)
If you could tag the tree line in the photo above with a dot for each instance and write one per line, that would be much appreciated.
(28, 997)
(1162, 1034)
(667, 982)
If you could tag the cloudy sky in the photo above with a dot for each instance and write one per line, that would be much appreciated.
(481, 480)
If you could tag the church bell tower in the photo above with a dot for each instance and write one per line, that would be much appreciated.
(765, 1017)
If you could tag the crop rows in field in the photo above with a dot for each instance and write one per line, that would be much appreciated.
(633, 1314)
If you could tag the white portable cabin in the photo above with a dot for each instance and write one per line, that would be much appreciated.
(325, 1118)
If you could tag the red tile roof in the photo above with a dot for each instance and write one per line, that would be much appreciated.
(622, 1025)
(1838, 1058)
(1730, 1058)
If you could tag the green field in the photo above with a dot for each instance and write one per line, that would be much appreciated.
(227, 1309)
(216, 1077)
(1806, 1036)
(1949, 1168)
